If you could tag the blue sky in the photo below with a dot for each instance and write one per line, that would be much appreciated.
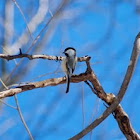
(104, 30)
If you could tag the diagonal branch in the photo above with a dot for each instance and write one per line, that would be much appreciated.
(22, 119)
(131, 67)
(18, 7)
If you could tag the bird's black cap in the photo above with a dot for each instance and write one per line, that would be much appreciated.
(69, 48)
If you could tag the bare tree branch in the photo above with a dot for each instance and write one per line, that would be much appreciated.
(48, 82)
(22, 119)
(63, 3)
(30, 57)
(131, 67)
(14, 1)
(120, 115)
(83, 106)
(110, 99)
(3, 84)
(19, 111)
(2, 100)
(32, 25)
(7, 104)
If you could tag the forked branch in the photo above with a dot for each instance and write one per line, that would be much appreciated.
(110, 99)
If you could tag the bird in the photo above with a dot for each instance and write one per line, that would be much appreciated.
(68, 64)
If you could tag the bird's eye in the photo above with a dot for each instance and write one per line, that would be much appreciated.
(66, 54)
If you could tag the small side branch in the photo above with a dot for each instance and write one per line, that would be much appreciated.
(17, 5)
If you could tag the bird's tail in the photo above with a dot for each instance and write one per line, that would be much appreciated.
(68, 83)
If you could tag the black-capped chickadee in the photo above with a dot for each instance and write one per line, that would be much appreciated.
(68, 64)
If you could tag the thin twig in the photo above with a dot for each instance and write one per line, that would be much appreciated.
(17, 5)
(22, 119)
(3, 84)
(83, 108)
(38, 36)
(94, 113)
(50, 12)
(18, 109)
(8, 104)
